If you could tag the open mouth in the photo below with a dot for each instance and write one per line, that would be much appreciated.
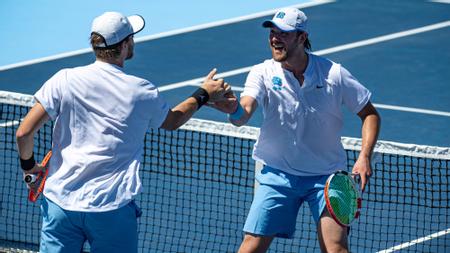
(278, 46)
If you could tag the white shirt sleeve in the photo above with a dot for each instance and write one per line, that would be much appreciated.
(354, 95)
(254, 85)
(50, 94)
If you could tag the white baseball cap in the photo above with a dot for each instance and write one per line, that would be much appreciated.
(115, 27)
(288, 20)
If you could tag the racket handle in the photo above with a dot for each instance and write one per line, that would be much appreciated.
(30, 178)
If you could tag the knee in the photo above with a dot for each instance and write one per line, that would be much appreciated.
(335, 249)
(255, 244)
(334, 246)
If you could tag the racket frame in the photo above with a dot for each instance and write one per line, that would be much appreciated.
(40, 179)
(358, 198)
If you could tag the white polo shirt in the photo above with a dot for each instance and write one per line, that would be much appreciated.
(301, 131)
(100, 118)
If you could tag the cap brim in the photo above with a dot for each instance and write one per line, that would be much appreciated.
(281, 26)
(137, 23)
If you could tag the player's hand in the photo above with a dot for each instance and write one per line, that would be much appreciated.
(226, 106)
(37, 171)
(216, 88)
(363, 168)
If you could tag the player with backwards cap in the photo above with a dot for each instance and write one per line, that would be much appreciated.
(100, 115)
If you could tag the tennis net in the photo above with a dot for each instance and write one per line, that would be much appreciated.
(199, 182)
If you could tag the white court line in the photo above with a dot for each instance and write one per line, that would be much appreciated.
(169, 33)
(231, 20)
(416, 241)
(385, 38)
(197, 81)
(10, 123)
(441, 1)
(321, 52)
(381, 106)
(412, 109)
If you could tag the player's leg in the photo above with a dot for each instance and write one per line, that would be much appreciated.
(273, 212)
(332, 236)
(113, 231)
(255, 243)
(61, 229)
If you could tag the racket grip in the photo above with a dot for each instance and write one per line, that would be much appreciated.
(30, 178)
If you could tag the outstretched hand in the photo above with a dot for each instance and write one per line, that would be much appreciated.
(216, 88)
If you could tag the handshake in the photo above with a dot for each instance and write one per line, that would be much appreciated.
(221, 97)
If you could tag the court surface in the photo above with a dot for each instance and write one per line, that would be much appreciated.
(400, 50)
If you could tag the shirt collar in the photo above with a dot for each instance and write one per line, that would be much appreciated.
(108, 66)
(308, 75)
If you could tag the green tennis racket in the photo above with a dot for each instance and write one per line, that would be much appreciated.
(343, 198)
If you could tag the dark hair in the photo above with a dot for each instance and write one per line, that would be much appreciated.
(306, 43)
(108, 52)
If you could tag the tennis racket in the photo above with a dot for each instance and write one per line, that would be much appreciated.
(36, 182)
(343, 198)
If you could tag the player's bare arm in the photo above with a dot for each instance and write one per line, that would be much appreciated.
(29, 126)
(212, 90)
(370, 129)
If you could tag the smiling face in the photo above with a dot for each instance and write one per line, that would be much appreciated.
(285, 45)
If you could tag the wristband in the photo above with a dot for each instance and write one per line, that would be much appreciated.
(28, 164)
(202, 97)
(237, 114)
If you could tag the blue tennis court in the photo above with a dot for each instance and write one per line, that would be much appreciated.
(400, 50)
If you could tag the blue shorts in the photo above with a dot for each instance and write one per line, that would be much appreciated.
(66, 231)
(277, 201)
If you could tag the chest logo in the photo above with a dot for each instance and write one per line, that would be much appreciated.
(277, 83)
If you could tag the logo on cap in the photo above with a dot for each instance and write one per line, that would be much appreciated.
(280, 15)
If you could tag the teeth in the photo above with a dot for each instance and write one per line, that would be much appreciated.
(278, 46)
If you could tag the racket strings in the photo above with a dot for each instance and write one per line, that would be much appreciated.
(343, 198)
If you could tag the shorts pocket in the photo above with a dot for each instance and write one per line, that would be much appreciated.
(271, 176)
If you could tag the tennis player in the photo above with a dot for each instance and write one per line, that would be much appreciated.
(299, 144)
(100, 116)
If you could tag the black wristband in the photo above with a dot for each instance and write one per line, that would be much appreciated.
(202, 97)
(27, 164)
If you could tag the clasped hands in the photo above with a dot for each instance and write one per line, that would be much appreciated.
(221, 96)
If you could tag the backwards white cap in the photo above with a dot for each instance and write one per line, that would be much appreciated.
(288, 20)
(115, 27)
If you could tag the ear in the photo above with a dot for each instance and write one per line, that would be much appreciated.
(301, 37)
(125, 43)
